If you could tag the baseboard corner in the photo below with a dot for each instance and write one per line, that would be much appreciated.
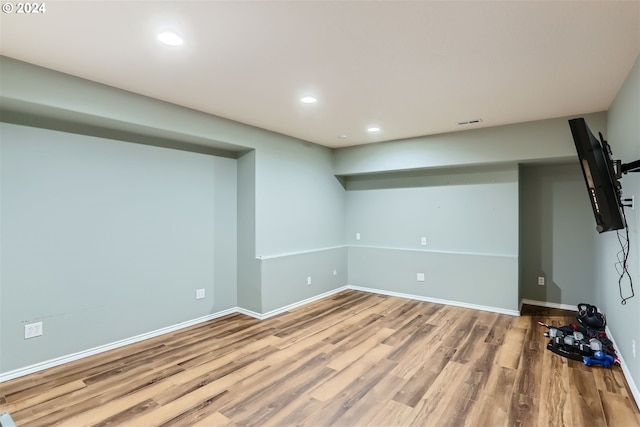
(547, 304)
(625, 370)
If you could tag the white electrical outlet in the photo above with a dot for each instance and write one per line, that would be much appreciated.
(420, 277)
(541, 280)
(357, 236)
(308, 280)
(199, 293)
(633, 348)
(335, 272)
(423, 241)
(32, 330)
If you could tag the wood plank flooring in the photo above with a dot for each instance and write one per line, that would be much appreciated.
(352, 359)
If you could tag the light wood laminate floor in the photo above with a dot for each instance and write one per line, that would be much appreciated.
(351, 359)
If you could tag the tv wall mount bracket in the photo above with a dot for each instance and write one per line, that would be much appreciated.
(622, 168)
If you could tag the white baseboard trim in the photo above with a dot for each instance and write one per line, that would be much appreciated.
(249, 313)
(437, 300)
(6, 420)
(625, 370)
(111, 346)
(548, 304)
(260, 316)
(101, 349)
(290, 306)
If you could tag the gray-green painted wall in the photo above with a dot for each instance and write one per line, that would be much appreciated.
(557, 235)
(432, 187)
(284, 278)
(104, 240)
(469, 217)
(300, 209)
(288, 200)
(623, 133)
(299, 203)
(249, 290)
(543, 140)
(472, 210)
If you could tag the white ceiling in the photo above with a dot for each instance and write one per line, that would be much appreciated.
(413, 68)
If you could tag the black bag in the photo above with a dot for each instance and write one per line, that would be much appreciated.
(590, 317)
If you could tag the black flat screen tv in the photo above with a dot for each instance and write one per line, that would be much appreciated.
(605, 191)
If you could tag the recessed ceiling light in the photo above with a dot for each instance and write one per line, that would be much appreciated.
(342, 136)
(308, 100)
(170, 38)
(373, 129)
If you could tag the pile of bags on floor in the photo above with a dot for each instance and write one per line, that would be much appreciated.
(586, 341)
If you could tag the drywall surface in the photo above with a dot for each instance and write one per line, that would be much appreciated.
(544, 140)
(300, 217)
(467, 218)
(293, 204)
(289, 279)
(557, 235)
(249, 293)
(65, 101)
(481, 280)
(103, 240)
(300, 205)
(623, 134)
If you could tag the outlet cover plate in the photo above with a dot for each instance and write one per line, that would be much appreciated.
(200, 293)
(32, 330)
(420, 277)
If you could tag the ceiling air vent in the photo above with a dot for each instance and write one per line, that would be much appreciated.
(470, 122)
